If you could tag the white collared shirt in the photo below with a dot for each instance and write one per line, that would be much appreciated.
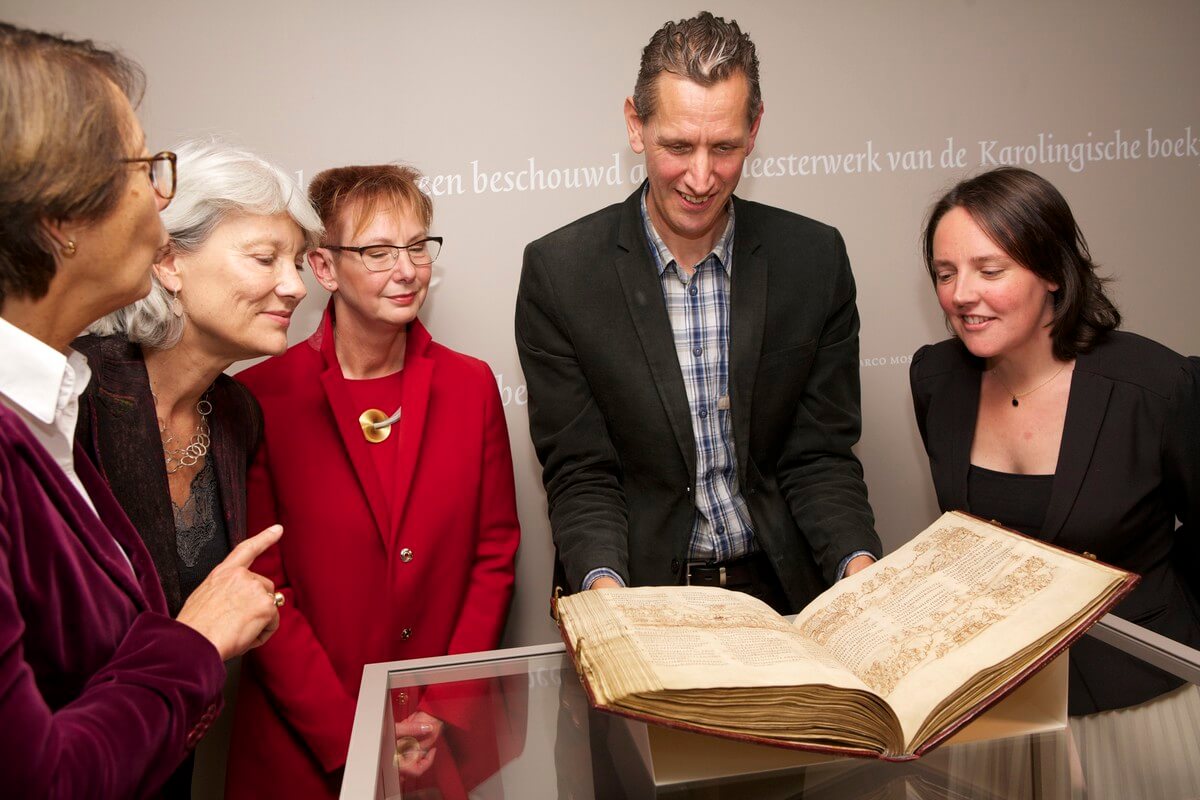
(43, 386)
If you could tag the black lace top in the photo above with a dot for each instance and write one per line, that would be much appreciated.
(201, 539)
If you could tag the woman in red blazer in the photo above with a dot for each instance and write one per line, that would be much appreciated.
(386, 456)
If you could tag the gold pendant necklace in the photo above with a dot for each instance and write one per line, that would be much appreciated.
(377, 426)
(1015, 396)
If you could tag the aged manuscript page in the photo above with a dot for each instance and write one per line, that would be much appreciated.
(950, 603)
(701, 639)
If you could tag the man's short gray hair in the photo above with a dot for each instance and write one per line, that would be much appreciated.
(704, 49)
(215, 181)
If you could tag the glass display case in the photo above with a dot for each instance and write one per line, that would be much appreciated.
(517, 724)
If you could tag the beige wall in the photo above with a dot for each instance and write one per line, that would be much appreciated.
(459, 89)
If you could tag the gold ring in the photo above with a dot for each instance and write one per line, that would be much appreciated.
(407, 749)
(279, 599)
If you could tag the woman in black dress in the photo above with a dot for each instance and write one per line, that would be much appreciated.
(1041, 415)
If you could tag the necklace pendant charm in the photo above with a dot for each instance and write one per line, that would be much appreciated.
(1015, 403)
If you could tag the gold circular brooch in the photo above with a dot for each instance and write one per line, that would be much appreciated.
(372, 429)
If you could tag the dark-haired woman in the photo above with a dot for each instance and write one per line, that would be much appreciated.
(1040, 415)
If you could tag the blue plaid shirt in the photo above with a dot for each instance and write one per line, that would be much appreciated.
(698, 307)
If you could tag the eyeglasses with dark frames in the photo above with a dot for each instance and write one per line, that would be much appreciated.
(162, 172)
(383, 257)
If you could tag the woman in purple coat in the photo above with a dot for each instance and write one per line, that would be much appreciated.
(102, 694)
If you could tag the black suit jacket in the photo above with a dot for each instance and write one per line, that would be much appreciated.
(118, 429)
(609, 415)
(1128, 466)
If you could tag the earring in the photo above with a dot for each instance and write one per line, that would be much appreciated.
(69, 248)
(176, 306)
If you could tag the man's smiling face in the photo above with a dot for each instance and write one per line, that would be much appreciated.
(695, 143)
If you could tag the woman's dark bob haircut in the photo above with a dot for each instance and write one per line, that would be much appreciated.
(1031, 222)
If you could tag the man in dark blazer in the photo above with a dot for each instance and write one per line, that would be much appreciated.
(692, 358)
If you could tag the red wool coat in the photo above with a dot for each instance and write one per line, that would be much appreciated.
(361, 588)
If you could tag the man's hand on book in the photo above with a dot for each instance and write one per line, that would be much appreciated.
(604, 583)
(857, 564)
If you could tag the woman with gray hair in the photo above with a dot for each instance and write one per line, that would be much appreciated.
(170, 433)
(167, 429)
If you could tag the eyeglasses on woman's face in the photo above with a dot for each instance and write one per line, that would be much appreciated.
(162, 172)
(383, 257)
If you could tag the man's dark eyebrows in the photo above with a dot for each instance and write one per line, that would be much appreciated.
(669, 141)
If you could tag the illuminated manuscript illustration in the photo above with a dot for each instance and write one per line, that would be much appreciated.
(954, 585)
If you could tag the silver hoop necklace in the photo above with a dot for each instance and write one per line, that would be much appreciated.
(188, 455)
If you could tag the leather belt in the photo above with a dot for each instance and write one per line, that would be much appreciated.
(734, 572)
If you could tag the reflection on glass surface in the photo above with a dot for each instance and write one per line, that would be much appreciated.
(523, 728)
(452, 738)
(517, 724)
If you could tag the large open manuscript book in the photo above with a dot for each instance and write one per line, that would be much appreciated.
(887, 663)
